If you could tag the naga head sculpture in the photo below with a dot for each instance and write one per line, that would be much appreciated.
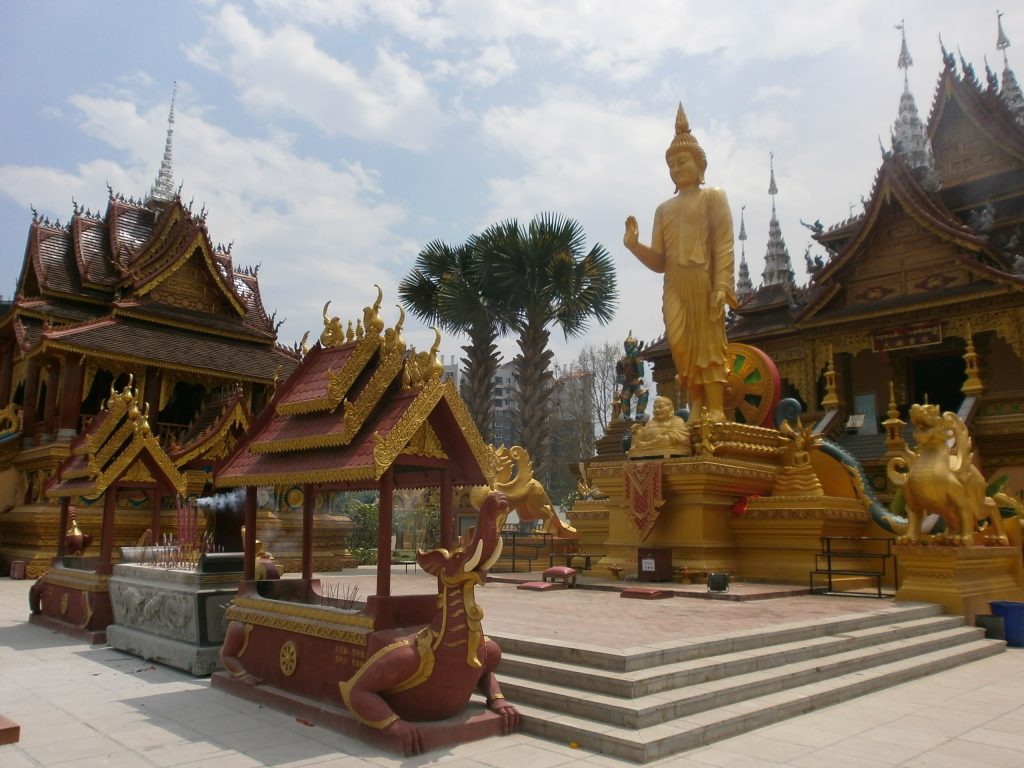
(484, 547)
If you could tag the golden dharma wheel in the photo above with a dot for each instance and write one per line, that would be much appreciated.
(752, 385)
(289, 658)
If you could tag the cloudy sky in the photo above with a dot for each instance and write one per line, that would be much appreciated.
(330, 140)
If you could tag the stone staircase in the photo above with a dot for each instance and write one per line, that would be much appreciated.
(648, 704)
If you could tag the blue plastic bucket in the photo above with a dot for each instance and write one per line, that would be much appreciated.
(1012, 614)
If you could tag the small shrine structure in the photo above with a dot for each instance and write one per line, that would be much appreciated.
(139, 290)
(359, 413)
(118, 454)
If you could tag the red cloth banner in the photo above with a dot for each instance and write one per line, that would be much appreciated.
(643, 495)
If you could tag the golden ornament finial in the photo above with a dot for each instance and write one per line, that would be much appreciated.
(972, 383)
(831, 399)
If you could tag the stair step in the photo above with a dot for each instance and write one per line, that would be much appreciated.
(653, 742)
(683, 702)
(598, 657)
(652, 680)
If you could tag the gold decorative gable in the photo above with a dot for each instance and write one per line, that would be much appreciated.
(218, 444)
(425, 443)
(190, 287)
(404, 432)
(387, 448)
(113, 451)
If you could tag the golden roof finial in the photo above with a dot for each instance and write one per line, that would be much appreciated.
(972, 384)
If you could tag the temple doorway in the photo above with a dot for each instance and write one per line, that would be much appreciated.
(939, 379)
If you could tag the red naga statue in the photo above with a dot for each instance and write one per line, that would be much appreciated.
(431, 674)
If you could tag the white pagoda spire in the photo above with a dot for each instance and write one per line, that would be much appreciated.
(163, 188)
(778, 268)
(909, 139)
(744, 286)
(1010, 92)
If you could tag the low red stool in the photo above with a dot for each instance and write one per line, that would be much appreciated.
(561, 573)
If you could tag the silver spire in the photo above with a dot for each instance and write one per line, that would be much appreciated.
(163, 187)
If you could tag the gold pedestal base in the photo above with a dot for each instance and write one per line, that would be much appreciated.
(778, 538)
(961, 579)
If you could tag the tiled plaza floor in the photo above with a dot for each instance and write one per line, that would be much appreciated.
(87, 706)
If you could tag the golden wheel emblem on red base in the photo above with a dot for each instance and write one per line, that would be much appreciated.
(752, 385)
(64, 601)
(289, 658)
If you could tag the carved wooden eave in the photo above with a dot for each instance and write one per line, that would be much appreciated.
(118, 446)
(895, 185)
(424, 427)
(351, 411)
(135, 310)
(176, 241)
(91, 244)
(217, 439)
(247, 363)
(985, 112)
(328, 376)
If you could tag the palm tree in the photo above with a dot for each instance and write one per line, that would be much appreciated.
(547, 278)
(451, 287)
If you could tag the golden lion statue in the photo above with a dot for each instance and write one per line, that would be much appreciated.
(511, 473)
(940, 478)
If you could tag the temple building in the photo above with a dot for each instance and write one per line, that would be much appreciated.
(921, 296)
(136, 296)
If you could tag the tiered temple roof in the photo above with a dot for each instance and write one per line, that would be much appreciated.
(358, 405)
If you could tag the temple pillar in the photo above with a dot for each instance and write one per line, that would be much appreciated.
(107, 535)
(52, 398)
(249, 538)
(384, 522)
(70, 399)
(308, 507)
(6, 373)
(31, 399)
(447, 511)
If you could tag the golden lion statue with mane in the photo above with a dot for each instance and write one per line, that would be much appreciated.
(941, 478)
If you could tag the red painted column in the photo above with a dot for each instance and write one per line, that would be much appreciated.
(31, 399)
(6, 372)
(52, 398)
(249, 542)
(71, 396)
(107, 543)
(384, 520)
(447, 511)
(308, 506)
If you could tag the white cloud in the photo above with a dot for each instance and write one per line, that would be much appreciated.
(321, 232)
(287, 71)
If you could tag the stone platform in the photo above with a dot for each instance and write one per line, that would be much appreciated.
(172, 615)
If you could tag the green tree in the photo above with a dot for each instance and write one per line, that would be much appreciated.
(549, 279)
(451, 286)
(362, 541)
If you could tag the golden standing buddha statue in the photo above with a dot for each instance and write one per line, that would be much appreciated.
(692, 245)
